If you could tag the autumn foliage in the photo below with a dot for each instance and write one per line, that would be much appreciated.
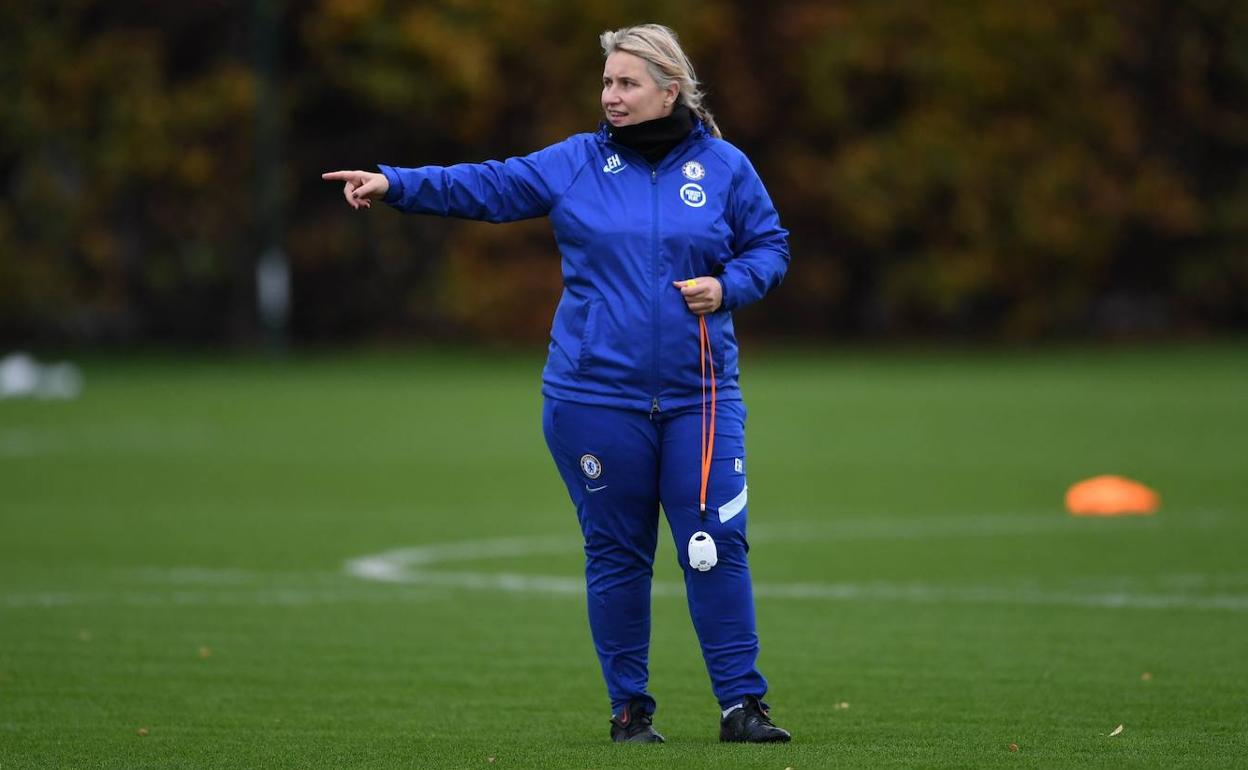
(1009, 170)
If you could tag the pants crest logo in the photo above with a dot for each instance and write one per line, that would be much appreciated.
(590, 466)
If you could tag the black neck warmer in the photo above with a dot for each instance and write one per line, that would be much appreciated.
(654, 139)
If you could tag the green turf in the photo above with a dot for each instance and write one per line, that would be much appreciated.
(172, 551)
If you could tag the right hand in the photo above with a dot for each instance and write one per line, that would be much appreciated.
(360, 188)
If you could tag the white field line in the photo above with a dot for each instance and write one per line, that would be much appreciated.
(287, 597)
(114, 437)
(417, 574)
(413, 566)
(411, 587)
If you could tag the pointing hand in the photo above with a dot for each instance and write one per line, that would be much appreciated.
(360, 188)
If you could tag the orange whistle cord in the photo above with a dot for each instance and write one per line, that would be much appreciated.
(708, 434)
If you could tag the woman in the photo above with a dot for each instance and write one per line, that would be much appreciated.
(664, 229)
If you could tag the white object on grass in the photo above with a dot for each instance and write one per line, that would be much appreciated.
(21, 376)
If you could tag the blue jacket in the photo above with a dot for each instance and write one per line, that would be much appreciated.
(622, 335)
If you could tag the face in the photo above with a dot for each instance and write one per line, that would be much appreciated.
(630, 95)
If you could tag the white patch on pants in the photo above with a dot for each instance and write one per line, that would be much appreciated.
(733, 506)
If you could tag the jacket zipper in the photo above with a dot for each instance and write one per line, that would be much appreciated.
(654, 295)
(654, 262)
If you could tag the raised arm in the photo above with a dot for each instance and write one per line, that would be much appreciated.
(493, 191)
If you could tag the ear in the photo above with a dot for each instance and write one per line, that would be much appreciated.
(673, 92)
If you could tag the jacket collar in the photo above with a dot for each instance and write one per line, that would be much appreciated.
(603, 134)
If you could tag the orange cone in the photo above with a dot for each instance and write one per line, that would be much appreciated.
(1111, 496)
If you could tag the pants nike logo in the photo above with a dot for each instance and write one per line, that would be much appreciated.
(588, 488)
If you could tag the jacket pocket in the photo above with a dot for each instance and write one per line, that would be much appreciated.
(716, 326)
(567, 335)
(588, 336)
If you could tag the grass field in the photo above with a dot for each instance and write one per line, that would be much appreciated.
(175, 550)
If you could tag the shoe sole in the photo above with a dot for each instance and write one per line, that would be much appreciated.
(777, 739)
(641, 740)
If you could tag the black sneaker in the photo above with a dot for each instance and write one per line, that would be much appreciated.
(750, 724)
(633, 725)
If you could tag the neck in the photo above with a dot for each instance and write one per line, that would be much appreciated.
(654, 139)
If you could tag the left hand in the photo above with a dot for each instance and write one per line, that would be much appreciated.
(703, 294)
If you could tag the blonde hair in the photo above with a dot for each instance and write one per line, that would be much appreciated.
(666, 61)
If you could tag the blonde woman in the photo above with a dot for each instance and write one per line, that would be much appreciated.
(664, 230)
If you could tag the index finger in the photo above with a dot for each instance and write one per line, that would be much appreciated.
(341, 176)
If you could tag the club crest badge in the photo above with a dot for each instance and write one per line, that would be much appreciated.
(590, 466)
(693, 171)
(693, 195)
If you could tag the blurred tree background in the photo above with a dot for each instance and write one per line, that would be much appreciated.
(999, 170)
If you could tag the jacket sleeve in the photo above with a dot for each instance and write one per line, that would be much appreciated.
(493, 191)
(760, 250)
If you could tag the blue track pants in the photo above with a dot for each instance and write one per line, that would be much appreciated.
(619, 467)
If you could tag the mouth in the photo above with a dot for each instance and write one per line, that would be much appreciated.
(616, 115)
